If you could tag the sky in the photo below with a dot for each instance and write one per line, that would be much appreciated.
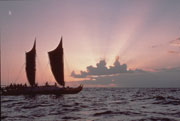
(117, 43)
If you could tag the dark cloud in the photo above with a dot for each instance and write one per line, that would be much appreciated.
(102, 69)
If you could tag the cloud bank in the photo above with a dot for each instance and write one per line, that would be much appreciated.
(118, 75)
(162, 78)
(101, 69)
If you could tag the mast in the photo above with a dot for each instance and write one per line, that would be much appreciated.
(57, 63)
(31, 64)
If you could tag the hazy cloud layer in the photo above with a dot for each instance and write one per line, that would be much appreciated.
(102, 69)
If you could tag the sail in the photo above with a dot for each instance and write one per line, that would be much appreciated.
(57, 64)
(31, 65)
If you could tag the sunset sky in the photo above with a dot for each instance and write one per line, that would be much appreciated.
(119, 43)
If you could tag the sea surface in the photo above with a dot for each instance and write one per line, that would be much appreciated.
(96, 104)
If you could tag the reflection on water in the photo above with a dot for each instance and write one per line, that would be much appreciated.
(137, 104)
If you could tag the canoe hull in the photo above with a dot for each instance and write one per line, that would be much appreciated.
(42, 90)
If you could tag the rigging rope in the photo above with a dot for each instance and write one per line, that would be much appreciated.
(48, 65)
(20, 72)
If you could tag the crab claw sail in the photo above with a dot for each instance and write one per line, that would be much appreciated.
(31, 65)
(57, 64)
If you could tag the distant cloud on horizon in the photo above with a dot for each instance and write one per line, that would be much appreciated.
(102, 69)
(174, 69)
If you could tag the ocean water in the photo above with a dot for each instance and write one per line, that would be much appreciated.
(96, 104)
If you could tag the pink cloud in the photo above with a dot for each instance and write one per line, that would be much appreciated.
(175, 42)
